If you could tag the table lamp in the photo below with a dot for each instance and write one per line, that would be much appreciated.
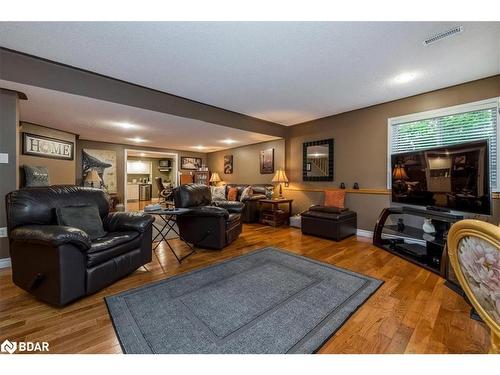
(280, 177)
(399, 173)
(92, 178)
(215, 178)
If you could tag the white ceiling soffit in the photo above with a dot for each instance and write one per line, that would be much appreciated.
(104, 121)
(285, 72)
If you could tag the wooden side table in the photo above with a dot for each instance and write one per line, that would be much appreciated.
(275, 217)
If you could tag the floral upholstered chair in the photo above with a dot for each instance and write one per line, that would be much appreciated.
(474, 251)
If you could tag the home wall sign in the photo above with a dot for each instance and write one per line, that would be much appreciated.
(38, 145)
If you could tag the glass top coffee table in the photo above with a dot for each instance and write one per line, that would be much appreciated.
(165, 225)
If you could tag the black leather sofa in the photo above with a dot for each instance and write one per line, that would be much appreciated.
(59, 264)
(206, 224)
(251, 208)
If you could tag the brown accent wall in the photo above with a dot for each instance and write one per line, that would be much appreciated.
(120, 158)
(246, 167)
(361, 146)
(61, 172)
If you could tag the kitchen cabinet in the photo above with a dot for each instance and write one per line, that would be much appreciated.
(132, 192)
(138, 167)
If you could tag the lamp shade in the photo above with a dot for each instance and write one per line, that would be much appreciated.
(215, 177)
(280, 176)
(399, 173)
(92, 177)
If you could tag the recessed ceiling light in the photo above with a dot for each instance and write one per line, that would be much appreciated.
(142, 154)
(405, 77)
(228, 141)
(137, 140)
(199, 147)
(126, 125)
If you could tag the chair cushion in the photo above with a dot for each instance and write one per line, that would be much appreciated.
(112, 245)
(85, 218)
(334, 198)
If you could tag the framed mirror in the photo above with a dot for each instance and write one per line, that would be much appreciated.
(317, 161)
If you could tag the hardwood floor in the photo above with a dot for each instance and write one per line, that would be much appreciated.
(413, 312)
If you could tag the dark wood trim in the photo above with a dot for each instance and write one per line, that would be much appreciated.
(35, 71)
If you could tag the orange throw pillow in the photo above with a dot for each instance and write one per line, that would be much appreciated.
(334, 198)
(232, 194)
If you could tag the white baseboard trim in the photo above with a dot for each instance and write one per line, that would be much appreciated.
(5, 263)
(369, 234)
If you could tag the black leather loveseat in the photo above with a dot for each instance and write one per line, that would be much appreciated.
(59, 264)
(206, 224)
(251, 208)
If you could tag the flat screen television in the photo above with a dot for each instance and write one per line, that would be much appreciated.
(454, 177)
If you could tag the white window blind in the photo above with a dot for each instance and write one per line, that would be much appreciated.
(448, 129)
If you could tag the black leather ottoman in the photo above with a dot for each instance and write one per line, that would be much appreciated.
(329, 222)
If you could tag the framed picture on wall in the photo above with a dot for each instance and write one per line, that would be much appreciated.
(190, 163)
(99, 169)
(267, 161)
(46, 147)
(228, 164)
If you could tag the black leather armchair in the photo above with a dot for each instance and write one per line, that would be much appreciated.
(59, 264)
(206, 225)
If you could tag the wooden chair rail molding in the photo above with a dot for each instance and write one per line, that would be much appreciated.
(353, 191)
(495, 195)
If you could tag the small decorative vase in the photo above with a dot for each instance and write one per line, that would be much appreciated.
(342, 185)
(355, 186)
(401, 225)
(428, 227)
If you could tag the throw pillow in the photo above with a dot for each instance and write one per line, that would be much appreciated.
(246, 193)
(218, 193)
(36, 176)
(232, 194)
(85, 218)
(334, 198)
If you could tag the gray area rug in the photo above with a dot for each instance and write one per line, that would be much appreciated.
(268, 301)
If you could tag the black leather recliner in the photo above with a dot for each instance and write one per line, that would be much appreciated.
(206, 224)
(59, 264)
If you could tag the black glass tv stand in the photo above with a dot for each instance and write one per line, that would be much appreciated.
(411, 242)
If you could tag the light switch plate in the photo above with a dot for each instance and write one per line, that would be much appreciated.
(3, 232)
(4, 158)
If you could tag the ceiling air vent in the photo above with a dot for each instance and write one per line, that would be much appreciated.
(443, 35)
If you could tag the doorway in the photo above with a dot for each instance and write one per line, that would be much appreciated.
(142, 167)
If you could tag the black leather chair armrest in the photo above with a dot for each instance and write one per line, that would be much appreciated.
(126, 221)
(255, 197)
(53, 235)
(207, 211)
(231, 206)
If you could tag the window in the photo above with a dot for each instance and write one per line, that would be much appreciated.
(459, 124)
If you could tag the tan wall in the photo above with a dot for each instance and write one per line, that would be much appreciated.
(120, 158)
(246, 167)
(61, 172)
(361, 146)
